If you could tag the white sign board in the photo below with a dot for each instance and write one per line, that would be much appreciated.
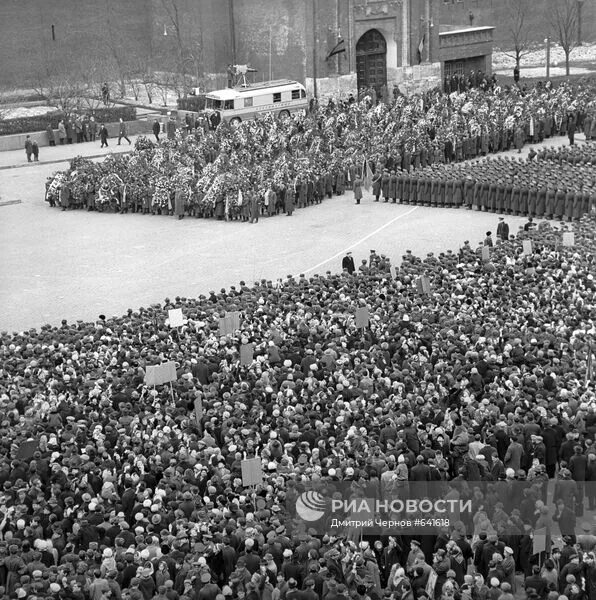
(175, 317)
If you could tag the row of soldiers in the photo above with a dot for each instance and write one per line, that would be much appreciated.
(501, 185)
(576, 155)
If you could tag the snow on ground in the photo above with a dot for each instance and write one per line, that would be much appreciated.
(533, 64)
(536, 72)
(22, 112)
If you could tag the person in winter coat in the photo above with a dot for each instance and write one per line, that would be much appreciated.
(156, 129)
(289, 203)
(122, 132)
(376, 184)
(103, 135)
(358, 183)
(61, 132)
(179, 204)
(50, 132)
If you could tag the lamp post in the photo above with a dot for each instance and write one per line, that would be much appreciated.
(547, 43)
(579, 21)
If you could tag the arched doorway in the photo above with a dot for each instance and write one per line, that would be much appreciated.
(371, 61)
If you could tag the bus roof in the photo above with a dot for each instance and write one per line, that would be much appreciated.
(267, 85)
(239, 91)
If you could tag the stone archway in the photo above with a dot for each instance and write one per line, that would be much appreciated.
(371, 61)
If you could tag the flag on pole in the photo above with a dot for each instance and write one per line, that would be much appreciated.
(590, 369)
(367, 176)
(421, 48)
(337, 49)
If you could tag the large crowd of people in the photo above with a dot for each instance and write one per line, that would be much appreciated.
(110, 488)
(268, 166)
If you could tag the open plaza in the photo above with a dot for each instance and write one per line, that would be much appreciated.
(326, 335)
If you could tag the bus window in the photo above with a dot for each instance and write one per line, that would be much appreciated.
(302, 94)
(228, 105)
(295, 94)
(213, 104)
(247, 102)
(277, 97)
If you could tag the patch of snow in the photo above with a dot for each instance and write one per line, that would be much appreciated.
(535, 72)
(537, 57)
(23, 112)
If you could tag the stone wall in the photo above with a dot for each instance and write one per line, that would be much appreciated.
(82, 29)
(409, 80)
(273, 32)
(417, 79)
(204, 27)
(333, 87)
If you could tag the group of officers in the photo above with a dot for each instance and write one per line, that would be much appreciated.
(536, 187)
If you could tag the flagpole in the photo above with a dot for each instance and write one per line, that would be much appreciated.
(314, 47)
(338, 35)
(428, 30)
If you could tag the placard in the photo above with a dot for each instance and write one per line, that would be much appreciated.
(485, 253)
(246, 354)
(539, 542)
(175, 317)
(160, 374)
(569, 238)
(423, 285)
(362, 317)
(527, 246)
(235, 319)
(230, 323)
(252, 472)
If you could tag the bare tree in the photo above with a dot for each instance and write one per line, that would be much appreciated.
(517, 28)
(149, 84)
(563, 15)
(181, 49)
(67, 93)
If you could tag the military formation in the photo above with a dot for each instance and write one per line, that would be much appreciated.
(554, 184)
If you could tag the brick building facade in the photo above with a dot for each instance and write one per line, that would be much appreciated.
(387, 42)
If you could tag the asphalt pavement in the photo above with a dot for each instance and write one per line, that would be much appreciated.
(78, 264)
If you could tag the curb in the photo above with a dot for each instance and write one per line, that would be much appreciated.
(57, 161)
(9, 202)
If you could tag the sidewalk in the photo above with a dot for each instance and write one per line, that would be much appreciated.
(48, 155)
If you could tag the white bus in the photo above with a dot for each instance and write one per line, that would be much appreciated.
(281, 97)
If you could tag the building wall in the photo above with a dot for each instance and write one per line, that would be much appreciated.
(276, 32)
(494, 13)
(227, 31)
(27, 48)
(204, 28)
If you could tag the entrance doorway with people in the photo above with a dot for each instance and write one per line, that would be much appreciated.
(371, 62)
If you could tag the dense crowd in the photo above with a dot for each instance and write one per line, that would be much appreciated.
(269, 166)
(552, 183)
(112, 489)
